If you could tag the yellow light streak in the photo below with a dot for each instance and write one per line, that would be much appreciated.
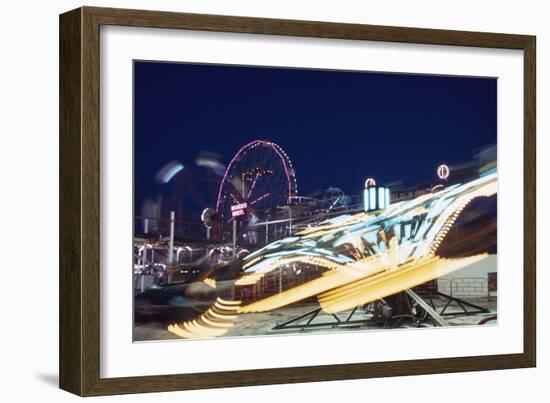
(253, 278)
(347, 285)
(390, 283)
(215, 322)
(328, 280)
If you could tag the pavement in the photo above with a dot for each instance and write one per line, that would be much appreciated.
(261, 324)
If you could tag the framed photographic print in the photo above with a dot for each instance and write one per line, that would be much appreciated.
(250, 201)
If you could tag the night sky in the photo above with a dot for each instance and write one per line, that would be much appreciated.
(337, 127)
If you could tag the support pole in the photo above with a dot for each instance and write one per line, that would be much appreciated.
(146, 226)
(234, 237)
(289, 219)
(171, 245)
(440, 321)
(280, 279)
(144, 264)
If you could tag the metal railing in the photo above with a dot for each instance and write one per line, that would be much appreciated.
(465, 287)
(154, 227)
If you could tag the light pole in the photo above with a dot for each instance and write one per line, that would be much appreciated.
(171, 244)
(234, 237)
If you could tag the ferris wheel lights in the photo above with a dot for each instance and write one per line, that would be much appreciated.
(260, 174)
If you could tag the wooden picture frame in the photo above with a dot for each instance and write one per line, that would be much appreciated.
(80, 184)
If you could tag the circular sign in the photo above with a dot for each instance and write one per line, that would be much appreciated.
(370, 182)
(443, 171)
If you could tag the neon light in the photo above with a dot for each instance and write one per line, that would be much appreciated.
(240, 206)
(237, 213)
(443, 171)
(252, 187)
(251, 145)
(370, 182)
(260, 198)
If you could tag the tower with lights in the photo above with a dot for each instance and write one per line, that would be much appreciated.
(375, 197)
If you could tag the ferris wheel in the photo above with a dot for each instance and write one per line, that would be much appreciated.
(258, 179)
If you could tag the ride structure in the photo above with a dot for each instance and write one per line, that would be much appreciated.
(258, 181)
(365, 258)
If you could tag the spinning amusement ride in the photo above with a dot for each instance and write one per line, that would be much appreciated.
(358, 259)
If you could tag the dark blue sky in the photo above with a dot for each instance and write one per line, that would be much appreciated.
(337, 127)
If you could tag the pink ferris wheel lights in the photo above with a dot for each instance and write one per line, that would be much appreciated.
(261, 175)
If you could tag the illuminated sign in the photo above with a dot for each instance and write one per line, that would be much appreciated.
(443, 171)
(237, 213)
(370, 182)
(238, 209)
(375, 197)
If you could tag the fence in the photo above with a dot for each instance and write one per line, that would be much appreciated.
(155, 226)
(465, 287)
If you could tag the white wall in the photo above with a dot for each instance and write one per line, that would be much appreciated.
(29, 201)
(479, 269)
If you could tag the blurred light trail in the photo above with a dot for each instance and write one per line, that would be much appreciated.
(366, 257)
(215, 322)
(168, 171)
